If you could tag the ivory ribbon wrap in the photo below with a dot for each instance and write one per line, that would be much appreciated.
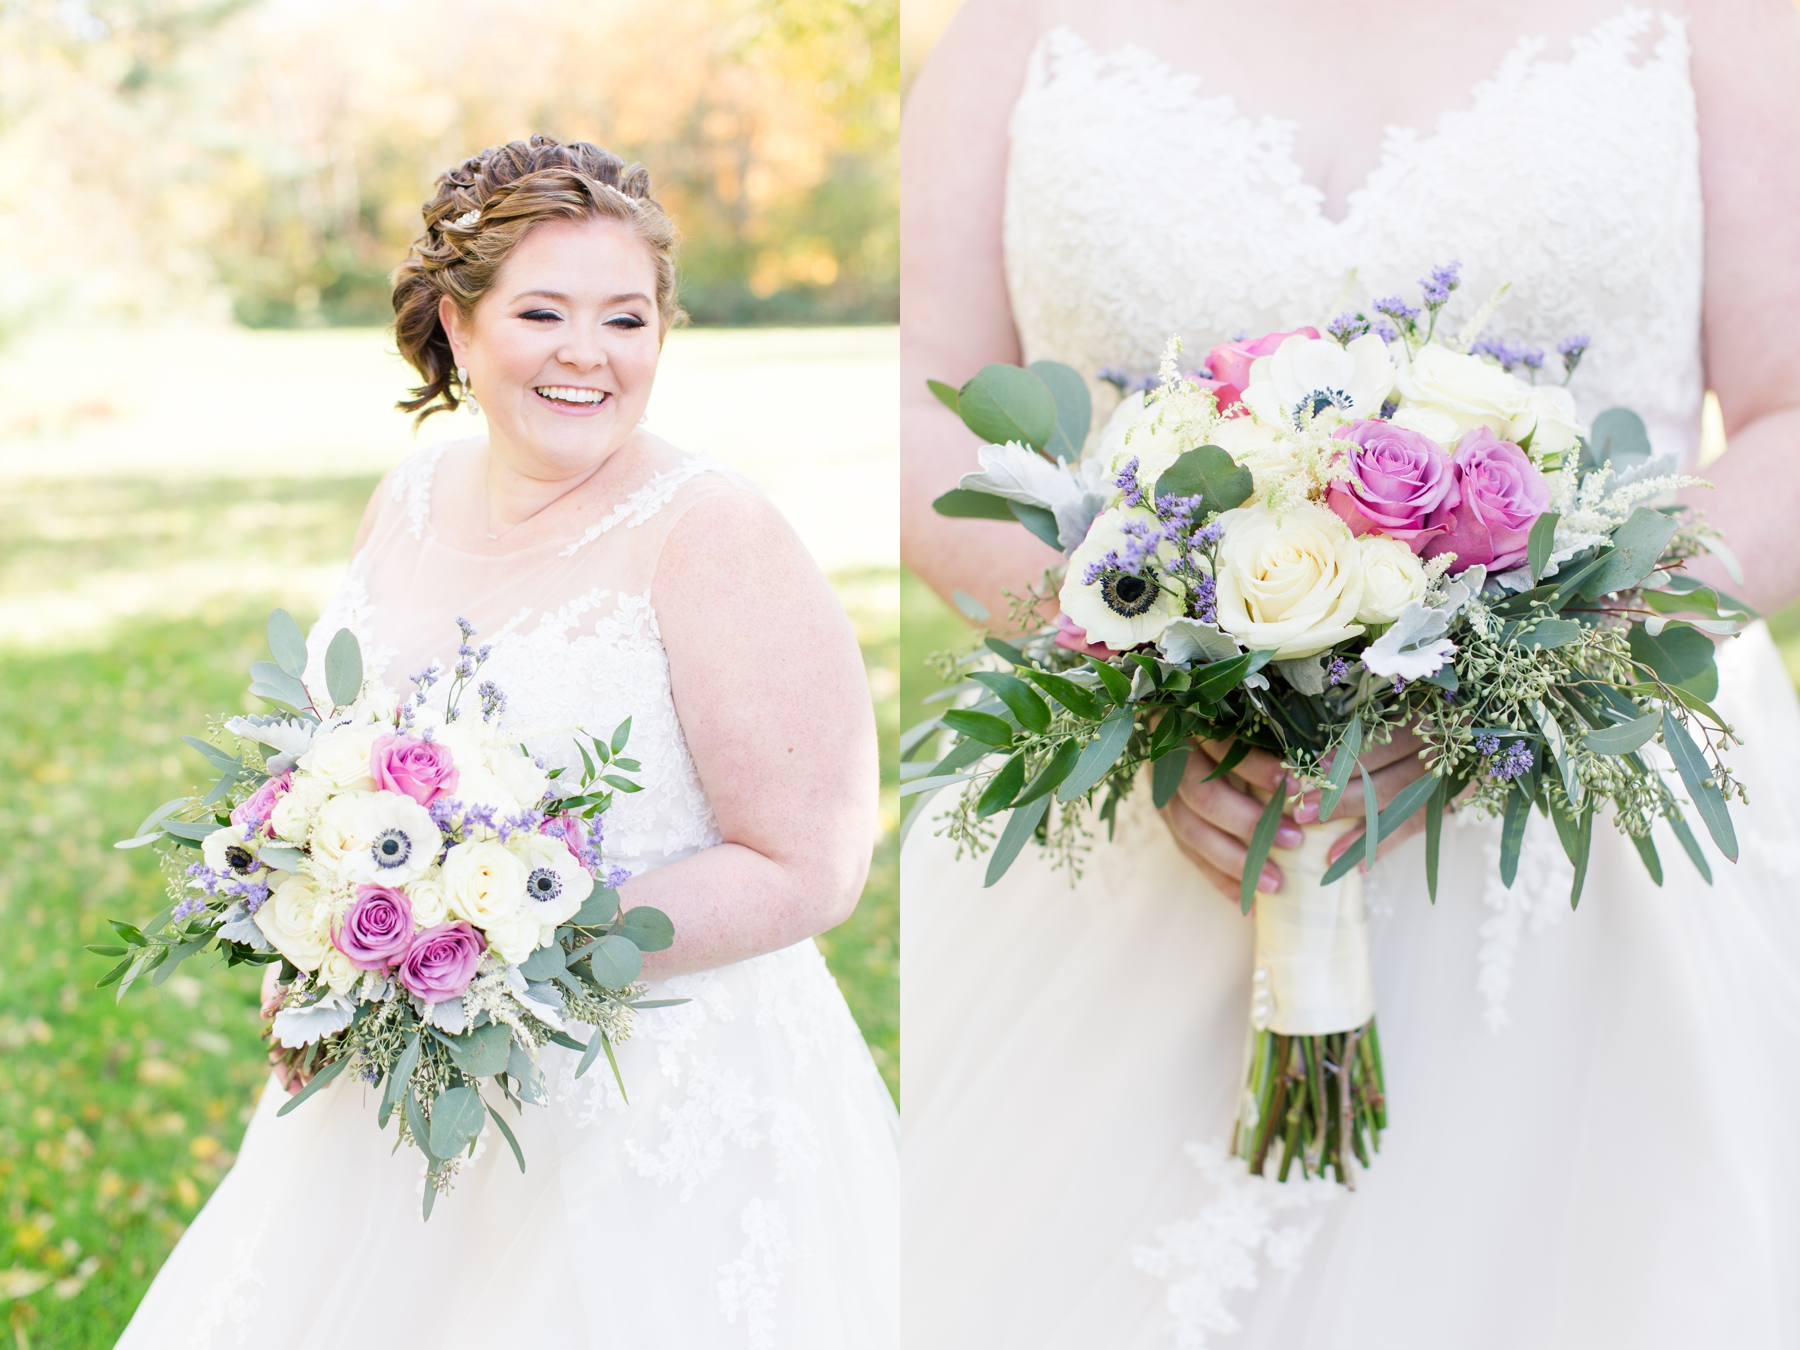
(1312, 973)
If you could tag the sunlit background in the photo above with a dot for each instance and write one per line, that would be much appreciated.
(200, 201)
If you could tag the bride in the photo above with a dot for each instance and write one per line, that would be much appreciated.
(1589, 1139)
(746, 1194)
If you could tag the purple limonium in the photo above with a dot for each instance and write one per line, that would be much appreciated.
(188, 908)
(617, 876)
(1337, 671)
(1515, 762)
(1571, 350)
(1440, 283)
(493, 699)
(1399, 684)
(1387, 333)
(1127, 482)
(1206, 599)
(1488, 744)
(1350, 324)
(1396, 309)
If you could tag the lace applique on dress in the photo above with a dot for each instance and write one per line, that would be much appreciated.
(1216, 1252)
(411, 485)
(749, 1283)
(646, 501)
(230, 1296)
(1537, 899)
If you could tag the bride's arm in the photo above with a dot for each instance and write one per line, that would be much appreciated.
(769, 685)
(1746, 70)
(956, 317)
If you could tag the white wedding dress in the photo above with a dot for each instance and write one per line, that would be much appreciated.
(1591, 1139)
(746, 1197)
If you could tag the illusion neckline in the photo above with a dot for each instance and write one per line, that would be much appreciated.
(1525, 52)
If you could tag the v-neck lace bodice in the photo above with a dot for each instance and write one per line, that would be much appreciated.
(1141, 204)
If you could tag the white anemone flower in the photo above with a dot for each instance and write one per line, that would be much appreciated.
(1307, 376)
(1121, 607)
(229, 853)
(385, 837)
(556, 885)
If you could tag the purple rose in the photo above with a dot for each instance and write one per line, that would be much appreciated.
(441, 961)
(260, 805)
(1397, 479)
(376, 931)
(1503, 494)
(422, 770)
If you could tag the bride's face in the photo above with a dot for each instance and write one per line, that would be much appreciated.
(561, 349)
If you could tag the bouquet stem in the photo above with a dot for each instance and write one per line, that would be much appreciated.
(1313, 1090)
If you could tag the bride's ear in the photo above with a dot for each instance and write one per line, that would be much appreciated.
(454, 329)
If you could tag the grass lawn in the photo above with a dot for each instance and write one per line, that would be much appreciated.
(116, 1121)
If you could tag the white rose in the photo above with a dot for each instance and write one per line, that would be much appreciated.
(483, 883)
(1392, 575)
(298, 809)
(514, 936)
(519, 775)
(1289, 581)
(1308, 376)
(1466, 390)
(556, 884)
(297, 921)
(1554, 426)
(376, 705)
(478, 785)
(1428, 422)
(339, 975)
(341, 757)
(1117, 608)
(1151, 433)
(383, 837)
(430, 906)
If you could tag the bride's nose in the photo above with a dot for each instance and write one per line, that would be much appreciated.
(583, 351)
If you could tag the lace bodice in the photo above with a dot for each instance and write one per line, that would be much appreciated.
(1575, 180)
(574, 634)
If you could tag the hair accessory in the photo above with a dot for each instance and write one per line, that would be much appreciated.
(622, 195)
(468, 220)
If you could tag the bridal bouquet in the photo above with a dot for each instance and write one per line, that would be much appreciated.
(1312, 543)
(429, 889)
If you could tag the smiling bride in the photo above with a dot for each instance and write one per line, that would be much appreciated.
(746, 1194)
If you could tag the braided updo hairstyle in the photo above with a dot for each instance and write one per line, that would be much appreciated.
(480, 212)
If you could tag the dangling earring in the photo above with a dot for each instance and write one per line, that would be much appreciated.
(468, 393)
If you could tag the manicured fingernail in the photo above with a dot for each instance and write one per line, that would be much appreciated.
(1270, 882)
(1307, 812)
(1289, 836)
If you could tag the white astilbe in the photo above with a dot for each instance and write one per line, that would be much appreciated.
(1589, 511)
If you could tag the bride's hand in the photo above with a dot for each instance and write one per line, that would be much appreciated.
(1212, 822)
(280, 1058)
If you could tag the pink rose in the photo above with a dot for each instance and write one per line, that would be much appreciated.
(572, 830)
(1502, 495)
(378, 928)
(1073, 636)
(256, 809)
(1397, 479)
(1230, 363)
(422, 770)
(440, 962)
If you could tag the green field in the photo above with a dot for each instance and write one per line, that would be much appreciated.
(116, 1121)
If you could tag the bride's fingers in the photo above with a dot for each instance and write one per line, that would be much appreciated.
(1204, 842)
(1258, 768)
(1224, 806)
(1388, 783)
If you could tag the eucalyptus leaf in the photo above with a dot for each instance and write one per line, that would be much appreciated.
(1165, 776)
(456, 1120)
(1547, 633)
(1690, 845)
(1638, 545)
(980, 726)
(1261, 838)
(1039, 520)
(1065, 691)
(213, 755)
(506, 1133)
(270, 681)
(1050, 776)
(528, 1074)
(1006, 403)
(287, 643)
(546, 963)
(601, 906)
(1118, 684)
(1695, 776)
(343, 668)
(1679, 655)
(945, 394)
(1074, 407)
(319, 1080)
(287, 859)
(1343, 760)
(1020, 826)
(1002, 787)
(1512, 833)
(1541, 544)
(1099, 755)
(481, 1051)
(399, 1079)
(649, 929)
(1623, 739)
(1646, 848)
(615, 961)
(1020, 698)
(1207, 472)
(1618, 435)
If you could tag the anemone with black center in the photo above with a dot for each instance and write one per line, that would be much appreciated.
(1317, 402)
(543, 884)
(1128, 594)
(239, 859)
(391, 849)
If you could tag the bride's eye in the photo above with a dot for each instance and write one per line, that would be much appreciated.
(541, 315)
(625, 321)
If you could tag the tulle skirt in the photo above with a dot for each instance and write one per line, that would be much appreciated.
(1590, 1133)
(746, 1197)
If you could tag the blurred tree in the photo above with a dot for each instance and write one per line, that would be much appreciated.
(278, 151)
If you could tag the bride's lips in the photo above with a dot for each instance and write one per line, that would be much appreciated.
(572, 400)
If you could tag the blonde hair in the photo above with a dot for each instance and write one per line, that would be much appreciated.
(480, 212)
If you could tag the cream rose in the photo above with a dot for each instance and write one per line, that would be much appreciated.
(1119, 608)
(515, 937)
(430, 906)
(340, 758)
(1289, 581)
(1554, 427)
(1392, 576)
(520, 776)
(298, 808)
(337, 972)
(342, 831)
(484, 883)
(1140, 430)
(296, 919)
(1440, 387)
